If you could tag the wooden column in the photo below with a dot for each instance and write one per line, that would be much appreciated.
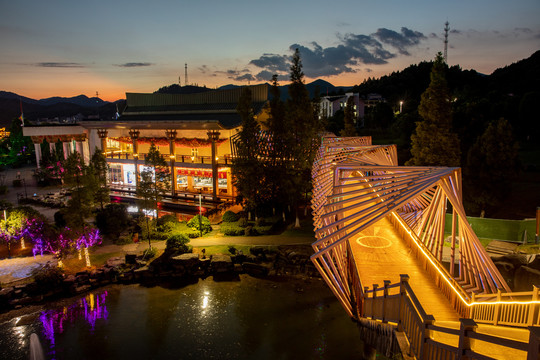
(171, 135)
(37, 147)
(102, 133)
(213, 135)
(134, 135)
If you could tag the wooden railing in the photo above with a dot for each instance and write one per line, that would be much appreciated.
(403, 308)
(442, 278)
(222, 160)
(519, 309)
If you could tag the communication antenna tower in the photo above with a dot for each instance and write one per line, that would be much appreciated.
(179, 83)
(446, 29)
(185, 75)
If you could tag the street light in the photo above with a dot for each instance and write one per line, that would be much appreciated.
(400, 106)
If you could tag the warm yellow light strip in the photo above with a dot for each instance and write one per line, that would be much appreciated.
(428, 257)
(451, 285)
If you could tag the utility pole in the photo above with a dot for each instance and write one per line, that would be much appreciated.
(185, 75)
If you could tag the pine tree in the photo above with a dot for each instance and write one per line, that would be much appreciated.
(278, 149)
(434, 143)
(305, 129)
(246, 165)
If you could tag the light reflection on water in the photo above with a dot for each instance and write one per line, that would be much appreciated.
(247, 319)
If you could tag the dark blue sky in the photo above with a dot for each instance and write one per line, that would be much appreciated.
(68, 48)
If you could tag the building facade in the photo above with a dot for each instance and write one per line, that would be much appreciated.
(191, 131)
(332, 104)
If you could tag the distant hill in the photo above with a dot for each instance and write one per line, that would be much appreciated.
(10, 105)
(323, 86)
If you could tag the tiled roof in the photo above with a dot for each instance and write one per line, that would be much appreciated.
(213, 106)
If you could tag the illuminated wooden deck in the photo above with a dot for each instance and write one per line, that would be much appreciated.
(380, 254)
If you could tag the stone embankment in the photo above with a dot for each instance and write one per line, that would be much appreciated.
(261, 262)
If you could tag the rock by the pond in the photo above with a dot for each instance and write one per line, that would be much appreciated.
(186, 261)
(255, 269)
(115, 261)
(221, 263)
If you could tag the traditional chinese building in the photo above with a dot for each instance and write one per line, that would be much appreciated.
(191, 131)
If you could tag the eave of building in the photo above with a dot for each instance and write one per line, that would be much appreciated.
(156, 124)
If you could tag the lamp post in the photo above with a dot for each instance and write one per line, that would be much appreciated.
(200, 213)
(400, 106)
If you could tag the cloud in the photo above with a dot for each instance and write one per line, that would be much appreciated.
(273, 62)
(59, 64)
(349, 52)
(401, 41)
(134, 64)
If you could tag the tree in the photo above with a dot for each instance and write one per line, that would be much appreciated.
(146, 197)
(278, 149)
(78, 180)
(246, 165)
(350, 129)
(491, 166)
(305, 129)
(98, 169)
(112, 220)
(434, 143)
(11, 228)
(161, 174)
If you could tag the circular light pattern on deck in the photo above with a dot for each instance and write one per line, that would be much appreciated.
(374, 242)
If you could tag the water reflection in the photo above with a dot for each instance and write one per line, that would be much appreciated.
(90, 308)
(248, 319)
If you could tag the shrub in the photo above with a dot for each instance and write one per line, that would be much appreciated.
(232, 249)
(48, 276)
(243, 222)
(149, 253)
(59, 220)
(17, 183)
(230, 216)
(250, 231)
(195, 224)
(232, 229)
(123, 239)
(263, 230)
(178, 244)
(167, 223)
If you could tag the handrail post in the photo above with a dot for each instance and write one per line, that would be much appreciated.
(365, 314)
(464, 341)
(429, 320)
(403, 278)
(533, 306)
(473, 300)
(385, 295)
(534, 343)
(497, 308)
(375, 286)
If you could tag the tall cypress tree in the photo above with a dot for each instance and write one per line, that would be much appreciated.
(434, 143)
(305, 129)
(246, 165)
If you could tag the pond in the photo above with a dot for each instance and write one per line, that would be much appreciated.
(245, 319)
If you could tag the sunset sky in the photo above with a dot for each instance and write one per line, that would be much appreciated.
(67, 48)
